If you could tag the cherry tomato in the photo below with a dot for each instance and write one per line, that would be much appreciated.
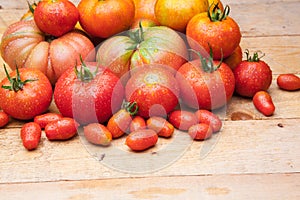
(31, 135)
(161, 126)
(200, 131)
(141, 140)
(62, 129)
(263, 102)
(209, 118)
(46, 118)
(289, 82)
(4, 119)
(182, 119)
(97, 134)
(137, 123)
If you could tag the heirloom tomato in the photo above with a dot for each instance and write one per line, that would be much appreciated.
(25, 93)
(214, 30)
(205, 83)
(154, 89)
(176, 14)
(89, 93)
(159, 44)
(24, 45)
(105, 18)
(56, 17)
(144, 9)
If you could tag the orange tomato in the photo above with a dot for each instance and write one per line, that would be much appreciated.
(144, 9)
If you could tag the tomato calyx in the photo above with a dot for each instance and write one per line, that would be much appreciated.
(85, 74)
(137, 36)
(255, 57)
(16, 83)
(31, 6)
(217, 14)
(131, 107)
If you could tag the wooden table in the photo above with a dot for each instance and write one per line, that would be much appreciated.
(258, 158)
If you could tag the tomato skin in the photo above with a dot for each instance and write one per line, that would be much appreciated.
(144, 9)
(4, 119)
(46, 118)
(263, 102)
(30, 134)
(222, 36)
(137, 123)
(91, 101)
(97, 134)
(56, 17)
(62, 129)
(182, 119)
(119, 123)
(32, 100)
(200, 131)
(289, 82)
(209, 118)
(205, 90)
(235, 58)
(154, 89)
(251, 77)
(105, 18)
(141, 140)
(161, 126)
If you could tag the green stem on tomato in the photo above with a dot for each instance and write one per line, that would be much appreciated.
(131, 107)
(217, 14)
(137, 36)
(255, 57)
(85, 74)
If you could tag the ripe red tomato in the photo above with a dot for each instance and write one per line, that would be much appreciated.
(205, 84)
(252, 75)
(105, 18)
(200, 131)
(214, 30)
(46, 118)
(30, 135)
(289, 82)
(141, 140)
(161, 126)
(235, 58)
(56, 17)
(88, 94)
(97, 134)
(23, 44)
(62, 129)
(154, 89)
(207, 117)
(25, 93)
(182, 119)
(4, 119)
(137, 123)
(263, 102)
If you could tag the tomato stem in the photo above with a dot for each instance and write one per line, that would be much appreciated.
(85, 73)
(16, 83)
(217, 14)
(137, 36)
(255, 57)
(131, 107)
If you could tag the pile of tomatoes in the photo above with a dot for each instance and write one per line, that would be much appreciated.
(140, 67)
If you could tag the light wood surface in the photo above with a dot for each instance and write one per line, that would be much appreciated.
(257, 158)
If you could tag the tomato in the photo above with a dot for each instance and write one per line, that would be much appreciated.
(105, 18)
(252, 75)
(159, 45)
(120, 121)
(25, 93)
(137, 123)
(205, 83)
(56, 17)
(88, 94)
(200, 131)
(235, 58)
(97, 134)
(263, 102)
(141, 140)
(289, 82)
(154, 89)
(161, 126)
(144, 9)
(24, 45)
(209, 118)
(176, 14)
(30, 135)
(182, 119)
(62, 129)
(217, 31)
(4, 119)
(46, 118)
(143, 22)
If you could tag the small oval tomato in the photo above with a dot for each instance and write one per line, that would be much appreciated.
(200, 131)
(4, 119)
(137, 123)
(31, 135)
(288, 82)
(209, 118)
(161, 126)
(141, 140)
(263, 102)
(62, 129)
(120, 121)
(25, 93)
(182, 119)
(46, 118)
(97, 134)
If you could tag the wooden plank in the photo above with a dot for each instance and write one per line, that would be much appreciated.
(255, 186)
